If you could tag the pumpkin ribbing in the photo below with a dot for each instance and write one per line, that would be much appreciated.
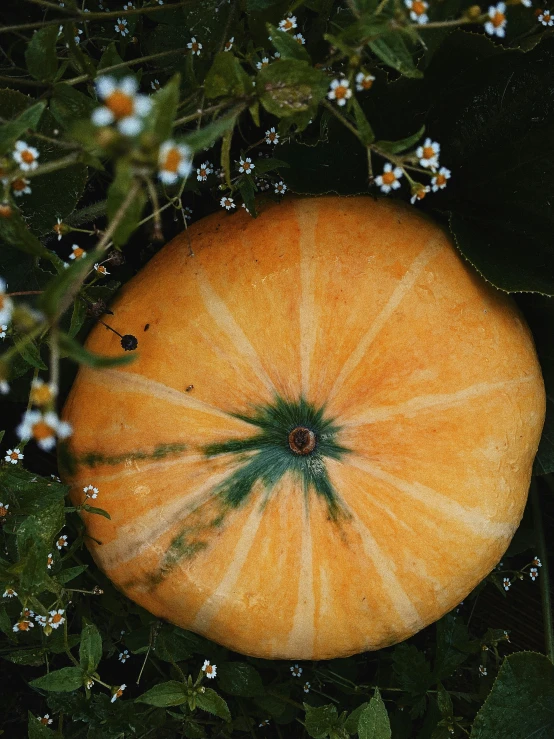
(354, 320)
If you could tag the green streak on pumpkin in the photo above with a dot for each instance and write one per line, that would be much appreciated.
(273, 456)
(92, 459)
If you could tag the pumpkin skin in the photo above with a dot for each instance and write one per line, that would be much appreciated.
(357, 321)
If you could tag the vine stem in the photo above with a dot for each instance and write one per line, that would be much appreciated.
(121, 65)
(544, 578)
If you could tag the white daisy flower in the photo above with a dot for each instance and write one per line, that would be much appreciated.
(288, 23)
(482, 670)
(43, 428)
(100, 269)
(118, 692)
(428, 154)
(61, 541)
(306, 687)
(364, 81)
(3, 330)
(195, 46)
(124, 656)
(280, 188)
(49, 561)
(4, 510)
(9, 593)
(340, 91)
(4, 387)
(496, 26)
(58, 228)
(418, 10)
(209, 670)
(77, 252)
(246, 165)
(389, 180)
(506, 584)
(546, 18)
(42, 393)
(13, 456)
(533, 573)
(419, 193)
(20, 186)
(537, 562)
(229, 44)
(203, 171)
(227, 203)
(296, 670)
(298, 37)
(56, 618)
(122, 105)
(174, 161)
(45, 720)
(263, 63)
(155, 85)
(26, 156)
(90, 491)
(439, 180)
(6, 304)
(121, 27)
(23, 625)
(271, 136)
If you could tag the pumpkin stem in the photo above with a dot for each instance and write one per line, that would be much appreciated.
(302, 440)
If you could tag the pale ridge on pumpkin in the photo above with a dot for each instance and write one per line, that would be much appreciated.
(302, 636)
(429, 252)
(436, 401)
(475, 519)
(227, 323)
(308, 266)
(138, 468)
(130, 382)
(223, 591)
(134, 538)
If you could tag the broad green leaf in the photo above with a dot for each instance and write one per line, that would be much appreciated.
(210, 701)
(96, 511)
(289, 86)
(37, 730)
(207, 136)
(70, 573)
(444, 702)
(521, 702)
(412, 670)
(247, 189)
(79, 354)
(117, 195)
(453, 645)
(90, 648)
(266, 165)
(68, 105)
(374, 720)
(391, 49)
(395, 147)
(77, 317)
(287, 45)
(34, 541)
(15, 129)
(226, 77)
(320, 721)
(60, 681)
(351, 723)
(239, 678)
(171, 693)
(362, 124)
(31, 657)
(111, 58)
(31, 354)
(166, 100)
(14, 231)
(40, 55)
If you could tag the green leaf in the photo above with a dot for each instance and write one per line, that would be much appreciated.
(97, 511)
(207, 136)
(77, 317)
(68, 105)
(36, 730)
(395, 147)
(34, 541)
(289, 86)
(412, 669)
(14, 231)
(166, 100)
(210, 701)
(266, 165)
(374, 720)
(320, 721)
(496, 129)
(286, 45)
(453, 645)
(40, 55)
(240, 678)
(171, 693)
(247, 189)
(362, 124)
(60, 681)
(444, 702)
(13, 130)
(521, 702)
(31, 354)
(79, 354)
(391, 49)
(90, 648)
(226, 77)
(117, 194)
(111, 58)
(351, 723)
(70, 573)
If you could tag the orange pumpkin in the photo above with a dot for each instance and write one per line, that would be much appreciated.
(326, 440)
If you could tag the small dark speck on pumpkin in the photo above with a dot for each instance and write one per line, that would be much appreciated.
(129, 342)
(189, 388)
(147, 327)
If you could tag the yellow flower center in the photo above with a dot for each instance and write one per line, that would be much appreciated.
(367, 82)
(14, 455)
(428, 152)
(246, 166)
(27, 156)
(287, 25)
(340, 92)
(56, 618)
(418, 7)
(78, 253)
(42, 430)
(23, 625)
(41, 395)
(44, 721)
(209, 670)
(172, 160)
(388, 178)
(498, 19)
(3, 512)
(440, 180)
(194, 46)
(271, 137)
(120, 104)
(19, 184)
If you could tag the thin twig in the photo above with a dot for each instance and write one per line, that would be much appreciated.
(544, 578)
